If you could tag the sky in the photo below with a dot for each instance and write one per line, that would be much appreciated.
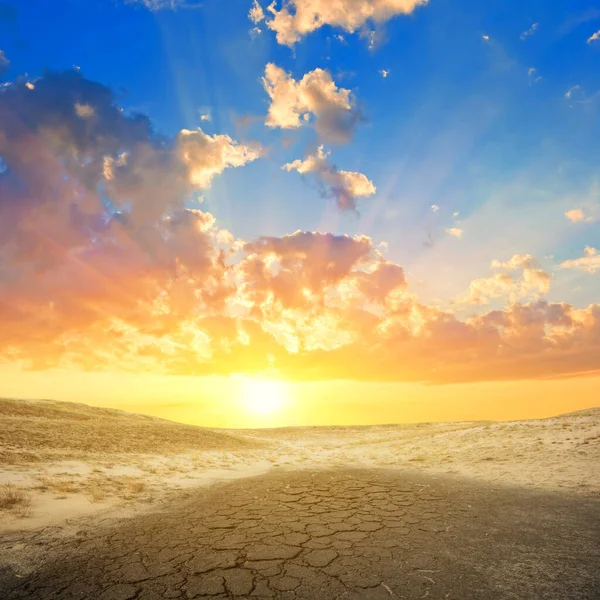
(239, 214)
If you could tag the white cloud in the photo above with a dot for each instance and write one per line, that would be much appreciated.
(594, 37)
(344, 186)
(589, 262)
(206, 156)
(529, 32)
(293, 102)
(435, 208)
(485, 38)
(456, 232)
(297, 18)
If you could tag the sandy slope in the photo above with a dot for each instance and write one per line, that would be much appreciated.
(71, 459)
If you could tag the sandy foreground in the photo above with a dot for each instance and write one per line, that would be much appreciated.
(59, 461)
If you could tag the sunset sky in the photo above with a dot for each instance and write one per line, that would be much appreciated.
(234, 213)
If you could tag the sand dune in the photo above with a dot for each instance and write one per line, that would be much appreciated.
(66, 459)
(44, 429)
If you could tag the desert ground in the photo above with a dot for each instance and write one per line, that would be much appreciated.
(98, 503)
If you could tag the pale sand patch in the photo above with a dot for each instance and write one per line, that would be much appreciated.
(61, 492)
(46, 510)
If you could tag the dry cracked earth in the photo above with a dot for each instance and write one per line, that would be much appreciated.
(343, 534)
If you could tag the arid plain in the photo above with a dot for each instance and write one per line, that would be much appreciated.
(70, 472)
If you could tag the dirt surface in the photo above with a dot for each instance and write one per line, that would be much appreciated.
(347, 534)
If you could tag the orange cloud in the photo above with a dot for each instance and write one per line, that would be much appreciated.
(103, 265)
(533, 281)
(578, 215)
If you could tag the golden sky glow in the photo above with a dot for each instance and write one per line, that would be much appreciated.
(228, 272)
(229, 402)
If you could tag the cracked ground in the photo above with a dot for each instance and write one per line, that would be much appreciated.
(347, 534)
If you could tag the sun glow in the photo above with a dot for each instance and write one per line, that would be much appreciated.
(264, 396)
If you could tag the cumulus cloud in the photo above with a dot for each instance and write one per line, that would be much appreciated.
(297, 18)
(594, 37)
(293, 102)
(207, 156)
(589, 262)
(344, 186)
(93, 217)
(531, 281)
(105, 264)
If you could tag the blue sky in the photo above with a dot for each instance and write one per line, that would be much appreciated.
(481, 139)
(457, 122)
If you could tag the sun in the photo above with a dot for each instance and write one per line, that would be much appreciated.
(264, 396)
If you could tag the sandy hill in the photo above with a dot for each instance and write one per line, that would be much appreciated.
(587, 412)
(31, 430)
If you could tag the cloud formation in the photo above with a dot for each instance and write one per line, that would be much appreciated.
(589, 262)
(293, 102)
(344, 186)
(531, 282)
(581, 215)
(105, 264)
(298, 18)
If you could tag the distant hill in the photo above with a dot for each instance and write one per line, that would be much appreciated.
(36, 429)
(586, 412)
